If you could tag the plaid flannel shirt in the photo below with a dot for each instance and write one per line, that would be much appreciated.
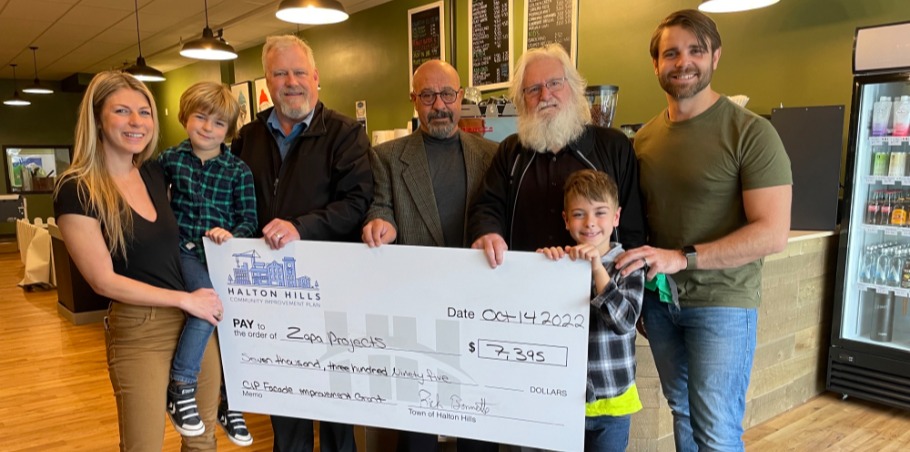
(611, 337)
(217, 193)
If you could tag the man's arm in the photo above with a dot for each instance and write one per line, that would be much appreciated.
(768, 225)
(380, 225)
(768, 216)
(352, 180)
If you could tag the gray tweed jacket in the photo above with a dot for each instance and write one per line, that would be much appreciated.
(403, 192)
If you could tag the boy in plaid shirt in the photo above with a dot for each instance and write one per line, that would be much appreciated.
(212, 195)
(591, 211)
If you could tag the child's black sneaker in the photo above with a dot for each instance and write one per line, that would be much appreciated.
(234, 425)
(182, 409)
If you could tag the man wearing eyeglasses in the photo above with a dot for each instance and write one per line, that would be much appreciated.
(422, 186)
(522, 199)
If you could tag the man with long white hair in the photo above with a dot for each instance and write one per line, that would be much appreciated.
(522, 200)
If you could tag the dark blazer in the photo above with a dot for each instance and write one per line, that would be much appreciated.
(403, 191)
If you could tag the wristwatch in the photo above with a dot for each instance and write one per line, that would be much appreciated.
(691, 257)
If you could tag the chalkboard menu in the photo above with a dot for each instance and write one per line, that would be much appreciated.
(490, 30)
(425, 35)
(551, 21)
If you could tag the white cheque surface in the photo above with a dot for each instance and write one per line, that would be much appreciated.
(410, 338)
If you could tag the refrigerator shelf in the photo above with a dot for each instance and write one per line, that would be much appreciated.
(897, 231)
(891, 141)
(887, 180)
(882, 289)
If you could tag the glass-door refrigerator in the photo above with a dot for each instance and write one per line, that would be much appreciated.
(870, 338)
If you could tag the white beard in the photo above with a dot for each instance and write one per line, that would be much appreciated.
(298, 113)
(542, 134)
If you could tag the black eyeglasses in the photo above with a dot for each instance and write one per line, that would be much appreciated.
(429, 97)
(552, 85)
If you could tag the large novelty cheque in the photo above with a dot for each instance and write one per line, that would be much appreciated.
(410, 338)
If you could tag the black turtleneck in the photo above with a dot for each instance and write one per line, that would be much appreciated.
(447, 172)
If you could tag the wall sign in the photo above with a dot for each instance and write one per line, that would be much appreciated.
(552, 21)
(426, 36)
(490, 32)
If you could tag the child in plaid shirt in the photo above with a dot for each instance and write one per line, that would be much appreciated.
(591, 211)
(212, 195)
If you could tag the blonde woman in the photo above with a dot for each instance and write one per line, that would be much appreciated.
(113, 212)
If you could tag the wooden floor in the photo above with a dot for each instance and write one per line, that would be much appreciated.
(56, 396)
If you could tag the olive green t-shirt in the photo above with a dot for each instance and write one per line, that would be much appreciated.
(693, 173)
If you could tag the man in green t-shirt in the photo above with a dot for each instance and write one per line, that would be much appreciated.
(717, 187)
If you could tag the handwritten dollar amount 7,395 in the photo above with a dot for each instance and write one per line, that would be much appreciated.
(520, 352)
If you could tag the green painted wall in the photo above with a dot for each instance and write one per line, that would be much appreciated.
(49, 120)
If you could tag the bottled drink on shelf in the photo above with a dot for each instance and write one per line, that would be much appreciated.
(881, 159)
(868, 270)
(882, 317)
(897, 163)
(901, 117)
(905, 275)
(873, 207)
(881, 113)
(899, 211)
(884, 212)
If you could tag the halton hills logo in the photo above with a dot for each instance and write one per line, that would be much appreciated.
(253, 276)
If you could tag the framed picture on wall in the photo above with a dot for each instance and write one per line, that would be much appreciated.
(34, 169)
(261, 97)
(243, 94)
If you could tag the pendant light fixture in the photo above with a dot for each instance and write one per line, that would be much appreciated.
(36, 87)
(732, 6)
(16, 101)
(140, 70)
(208, 47)
(311, 12)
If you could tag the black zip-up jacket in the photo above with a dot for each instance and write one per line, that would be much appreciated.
(325, 184)
(599, 148)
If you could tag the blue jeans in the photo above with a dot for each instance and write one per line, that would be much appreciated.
(602, 434)
(704, 359)
(607, 433)
(188, 355)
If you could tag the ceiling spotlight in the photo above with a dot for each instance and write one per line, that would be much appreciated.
(732, 6)
(36, 87)
(16, 101)
(311, 12)
(140, 70)
(209, 46)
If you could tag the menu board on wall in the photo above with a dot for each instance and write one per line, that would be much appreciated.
(426, 35)
(490, 32)
(552, 21)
